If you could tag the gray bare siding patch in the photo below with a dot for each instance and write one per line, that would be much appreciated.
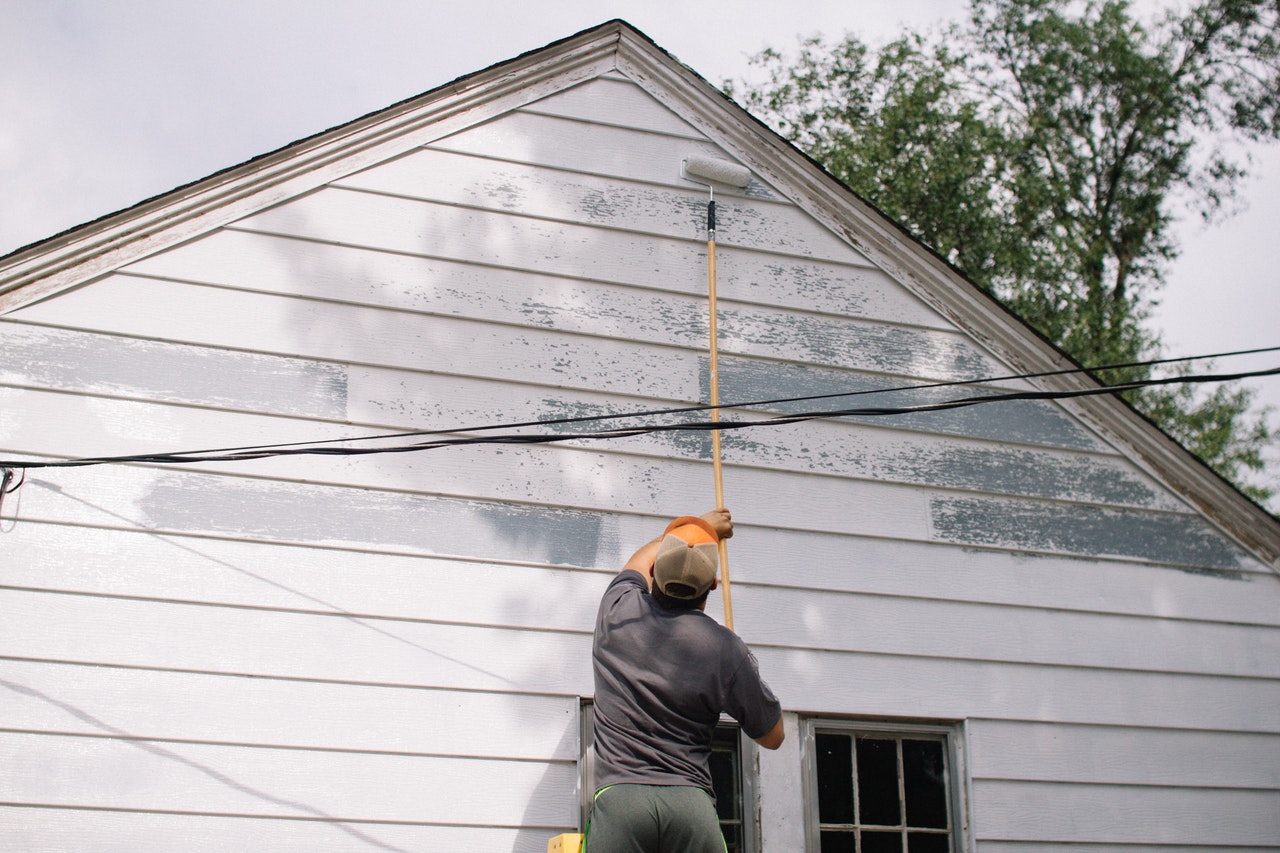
(1002, 470)
(107, 364)
(286, 512)
(837, 290)
(842, 344)
(1024, 422)
(1179, 540)
(685, 444)
(998, 470)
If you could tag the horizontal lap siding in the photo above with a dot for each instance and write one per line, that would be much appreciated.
(229, 571)
(84, 426)
(324, 646)
(310, 590)
(182, 568)
(309, 329)
(312, 653)
(1127, 817)
(895, 686)
(143, 705)
(173, 705)
(57, 830)
(388, 512)
(1134, 756)
(95, 365)
(414, 281)
(394, 395)
(1042, 783)
(967, 631)
(147, 775)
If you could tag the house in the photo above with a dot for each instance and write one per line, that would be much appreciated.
(1014, 626)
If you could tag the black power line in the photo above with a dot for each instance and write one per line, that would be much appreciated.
(328, 448)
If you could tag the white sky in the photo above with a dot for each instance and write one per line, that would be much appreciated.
(106, 102)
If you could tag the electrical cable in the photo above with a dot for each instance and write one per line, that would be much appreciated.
(7, 476)
(678, 410)
(321, 448)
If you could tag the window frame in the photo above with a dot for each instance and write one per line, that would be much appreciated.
(951, 735)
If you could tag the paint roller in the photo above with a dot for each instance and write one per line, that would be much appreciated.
(708, 172)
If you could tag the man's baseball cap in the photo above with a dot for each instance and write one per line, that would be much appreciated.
(688, 558)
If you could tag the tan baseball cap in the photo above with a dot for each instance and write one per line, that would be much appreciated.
(688, 558)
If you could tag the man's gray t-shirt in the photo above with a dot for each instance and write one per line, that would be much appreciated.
(662, 679)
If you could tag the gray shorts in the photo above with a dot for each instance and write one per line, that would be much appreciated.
(653, 819)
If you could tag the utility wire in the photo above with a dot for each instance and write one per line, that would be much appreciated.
(326, 448)
(755, 404)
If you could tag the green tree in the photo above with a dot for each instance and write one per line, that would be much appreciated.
(1045, 148)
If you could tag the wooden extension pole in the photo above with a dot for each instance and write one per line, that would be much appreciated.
(716, 468)
(708, 171)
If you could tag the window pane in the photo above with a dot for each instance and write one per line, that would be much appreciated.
(881, 842)
(928, 842)
(922, 769)
(878, 782)
(839, 842)
(724, 780)
(835, 779)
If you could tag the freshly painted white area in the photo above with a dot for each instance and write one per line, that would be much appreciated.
(288, 783)
(43, 830)
(97, 701)
(388, 651)
(1135, 756)
(234, 258)
(1129, 815)
(898, 687)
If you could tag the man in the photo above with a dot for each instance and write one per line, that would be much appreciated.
(664, 672)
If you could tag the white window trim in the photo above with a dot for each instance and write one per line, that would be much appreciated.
(953, 734)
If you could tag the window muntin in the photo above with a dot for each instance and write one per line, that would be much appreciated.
(876, 790)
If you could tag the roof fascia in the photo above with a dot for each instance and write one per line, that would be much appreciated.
(81, 254)
(940, 285)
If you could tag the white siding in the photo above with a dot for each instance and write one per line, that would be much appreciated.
(320, 653)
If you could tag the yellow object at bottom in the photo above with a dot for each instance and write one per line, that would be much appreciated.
(570, 842)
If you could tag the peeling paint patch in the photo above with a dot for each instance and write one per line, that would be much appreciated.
(816, 285)
(1019, 472)
(286, 512)
(991, 469)
(994, 469)
(94, 363)
(693, 444)
(838, 343)
(949, 464)
(1179, 540)
(1027, 422)
(508, 194)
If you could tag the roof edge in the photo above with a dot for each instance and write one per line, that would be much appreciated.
(69, 258)
(946, 289)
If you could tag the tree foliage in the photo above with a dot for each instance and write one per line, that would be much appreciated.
(1046, 148)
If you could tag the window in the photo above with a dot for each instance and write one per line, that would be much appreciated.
(729, 783)
(734, 789)
(881, 790)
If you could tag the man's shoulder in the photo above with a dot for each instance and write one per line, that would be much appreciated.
(629, 577)
(627, 582)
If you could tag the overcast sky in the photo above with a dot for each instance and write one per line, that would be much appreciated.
(106, 102)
